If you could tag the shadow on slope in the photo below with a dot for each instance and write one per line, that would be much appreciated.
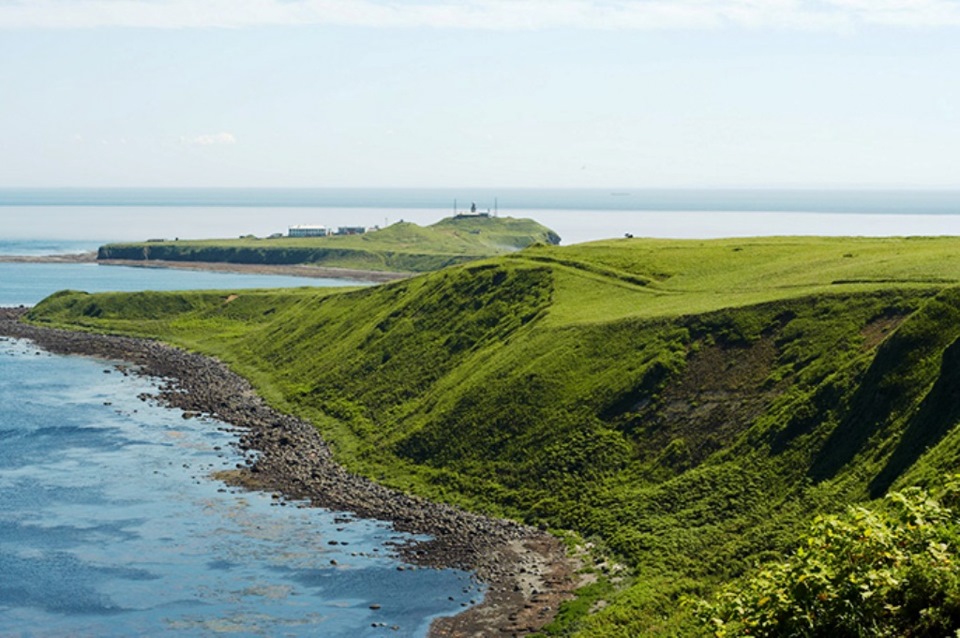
(903, 369)
(937, 415)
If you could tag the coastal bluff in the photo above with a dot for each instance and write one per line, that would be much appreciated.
(681, 410)
(401, 247)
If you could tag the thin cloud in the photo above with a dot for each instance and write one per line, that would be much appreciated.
(209, 139)
(482, 14)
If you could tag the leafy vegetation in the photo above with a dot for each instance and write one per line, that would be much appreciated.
(403, 246)
(889, 571)
(690, 405)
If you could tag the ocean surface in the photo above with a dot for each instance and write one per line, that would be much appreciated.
(110, 524)
(41, 247)
(578, 215)
(26, 284)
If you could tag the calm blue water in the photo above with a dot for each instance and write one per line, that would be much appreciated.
(623, 199)
(111, 526)
(40, 247)
(27, 284)
(578, 215)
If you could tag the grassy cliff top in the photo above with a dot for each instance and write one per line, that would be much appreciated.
(688, 405)
(606, 280)
(400, 246)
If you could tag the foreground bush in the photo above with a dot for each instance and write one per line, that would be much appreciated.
(889, 571)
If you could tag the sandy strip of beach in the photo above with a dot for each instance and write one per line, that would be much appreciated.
(527, 571)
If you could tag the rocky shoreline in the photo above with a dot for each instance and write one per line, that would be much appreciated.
(527, 571)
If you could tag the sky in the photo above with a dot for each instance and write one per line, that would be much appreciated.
(487, 93)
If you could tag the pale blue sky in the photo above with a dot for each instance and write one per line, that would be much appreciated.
(497, 93)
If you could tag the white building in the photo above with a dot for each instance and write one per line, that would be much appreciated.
(308, 231)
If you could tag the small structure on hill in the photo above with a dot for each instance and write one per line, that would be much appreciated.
(306, 230)
(474, 212)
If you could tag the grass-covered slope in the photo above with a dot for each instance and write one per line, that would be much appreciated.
(687, 404)
(403, 246)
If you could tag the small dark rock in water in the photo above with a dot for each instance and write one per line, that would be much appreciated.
(374, 606)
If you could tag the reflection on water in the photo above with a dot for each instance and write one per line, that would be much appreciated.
(110, 526)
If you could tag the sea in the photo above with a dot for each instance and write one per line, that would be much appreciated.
(111, 525)
(110, 522)
(577, 215)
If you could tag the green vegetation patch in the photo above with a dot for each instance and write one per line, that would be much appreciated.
(885, 571)
(689, 405)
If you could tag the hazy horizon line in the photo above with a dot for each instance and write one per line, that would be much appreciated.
(613, 188)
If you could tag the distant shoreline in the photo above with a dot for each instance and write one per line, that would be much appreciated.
(305, 271)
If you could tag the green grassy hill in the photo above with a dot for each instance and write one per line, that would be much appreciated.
(404, 246)
(687, 405)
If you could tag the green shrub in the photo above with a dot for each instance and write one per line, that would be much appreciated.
(886, 571)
